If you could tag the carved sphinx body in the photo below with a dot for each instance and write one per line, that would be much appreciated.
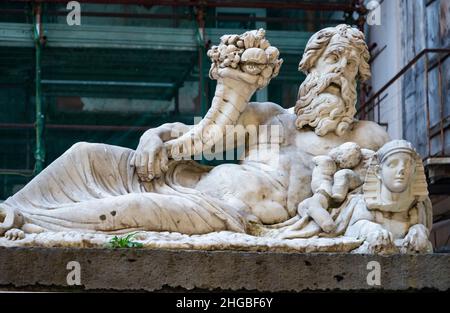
(96, 188)
(398, 211)
(390, 211)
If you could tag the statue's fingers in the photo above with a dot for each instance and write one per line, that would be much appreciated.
(157, 166)
(137, 161)
(144, 166)
(140, 169)
(151, 164)
(164, 160)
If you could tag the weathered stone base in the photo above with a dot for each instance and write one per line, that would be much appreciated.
(178, 270)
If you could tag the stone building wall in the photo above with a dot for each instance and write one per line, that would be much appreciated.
(407, 27)
(426, 24)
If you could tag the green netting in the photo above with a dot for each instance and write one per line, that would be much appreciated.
(112, 94)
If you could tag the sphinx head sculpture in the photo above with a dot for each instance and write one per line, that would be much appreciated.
(395, 178)
(333, 59)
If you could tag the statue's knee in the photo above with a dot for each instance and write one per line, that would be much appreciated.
(79, 146)
(83, 147)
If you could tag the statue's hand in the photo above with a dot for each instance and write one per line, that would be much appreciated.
(150, 158)
(416, 241)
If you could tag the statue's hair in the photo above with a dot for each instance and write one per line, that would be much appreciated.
(319, 41)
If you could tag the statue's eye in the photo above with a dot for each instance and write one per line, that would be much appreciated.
(332, 58)
(393, 163)
(351, 64)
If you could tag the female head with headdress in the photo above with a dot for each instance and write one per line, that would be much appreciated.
(395, 179)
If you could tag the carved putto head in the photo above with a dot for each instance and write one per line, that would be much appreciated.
(396, 169)
(347, 155)
(248, 57)
(334, 57)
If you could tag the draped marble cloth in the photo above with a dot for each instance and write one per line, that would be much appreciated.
(341, 215)
(92, 187)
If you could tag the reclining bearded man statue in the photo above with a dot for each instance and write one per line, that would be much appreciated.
(100, 188)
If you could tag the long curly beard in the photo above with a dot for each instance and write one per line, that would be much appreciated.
(323, 111)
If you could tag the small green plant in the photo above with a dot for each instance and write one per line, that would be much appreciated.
(125, 241)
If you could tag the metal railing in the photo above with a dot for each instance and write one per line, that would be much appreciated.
(371, 108)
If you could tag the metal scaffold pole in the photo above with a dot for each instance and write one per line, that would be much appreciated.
(39, 153)
(201, 59)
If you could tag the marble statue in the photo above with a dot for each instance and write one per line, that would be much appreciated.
(293, 189)
(380, 197)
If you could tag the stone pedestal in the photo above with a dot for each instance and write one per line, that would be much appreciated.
(189, 270)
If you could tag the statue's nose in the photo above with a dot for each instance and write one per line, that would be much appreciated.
(341, 66)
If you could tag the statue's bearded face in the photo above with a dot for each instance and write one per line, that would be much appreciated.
(327, 98)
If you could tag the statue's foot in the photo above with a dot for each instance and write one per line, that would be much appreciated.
(9, 219)
(328, 226)
(15, 234)
(6, 219)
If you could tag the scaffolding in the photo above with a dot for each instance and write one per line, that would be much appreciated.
(128, 49)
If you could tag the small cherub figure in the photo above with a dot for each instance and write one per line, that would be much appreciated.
(333, 176)
(321, 185)
(352, 162)
(390, 212)
(397, 211)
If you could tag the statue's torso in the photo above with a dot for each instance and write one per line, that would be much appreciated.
(276, 173)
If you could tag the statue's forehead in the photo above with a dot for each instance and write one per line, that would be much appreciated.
(341, 44)
(399, 155)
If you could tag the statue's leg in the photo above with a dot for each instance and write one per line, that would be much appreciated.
(92, 187)
(84, 172)
(9, 218)
(131, 212)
